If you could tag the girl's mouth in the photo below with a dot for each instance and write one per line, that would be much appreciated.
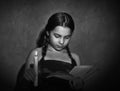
(59, 46)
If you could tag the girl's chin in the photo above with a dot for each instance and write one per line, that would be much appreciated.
(58, 49)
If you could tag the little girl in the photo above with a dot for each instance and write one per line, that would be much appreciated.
(49, 71)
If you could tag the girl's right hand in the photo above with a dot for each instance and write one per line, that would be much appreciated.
(77, 83)
(29, 74)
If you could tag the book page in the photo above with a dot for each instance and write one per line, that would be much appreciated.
(81, 71)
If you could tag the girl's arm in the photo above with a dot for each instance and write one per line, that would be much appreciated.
(77, 82)
(76, 58)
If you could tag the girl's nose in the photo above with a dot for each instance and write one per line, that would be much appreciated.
(61, 41)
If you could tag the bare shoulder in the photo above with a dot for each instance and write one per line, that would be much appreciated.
(76, 57)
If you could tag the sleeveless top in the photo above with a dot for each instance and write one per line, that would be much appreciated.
(47, 67)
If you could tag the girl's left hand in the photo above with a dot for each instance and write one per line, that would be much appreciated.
(77, 83)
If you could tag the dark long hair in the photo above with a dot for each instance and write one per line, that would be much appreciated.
(57, 19)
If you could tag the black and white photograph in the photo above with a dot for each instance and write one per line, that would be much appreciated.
(59, 45)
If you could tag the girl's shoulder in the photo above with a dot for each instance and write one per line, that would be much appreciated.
(76, 58)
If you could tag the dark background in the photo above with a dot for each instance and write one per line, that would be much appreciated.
(95, 40)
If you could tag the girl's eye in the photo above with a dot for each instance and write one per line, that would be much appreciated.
(56, 35)
(67, 37)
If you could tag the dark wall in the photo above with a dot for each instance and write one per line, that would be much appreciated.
(96, 36)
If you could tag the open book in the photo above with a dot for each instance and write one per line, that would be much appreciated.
(82, 71)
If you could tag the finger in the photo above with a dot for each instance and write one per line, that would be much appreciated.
(77, 83)
(71, 83)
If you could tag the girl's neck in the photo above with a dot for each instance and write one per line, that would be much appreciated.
(51, 49)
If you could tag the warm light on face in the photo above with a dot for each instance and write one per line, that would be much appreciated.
(60, 37)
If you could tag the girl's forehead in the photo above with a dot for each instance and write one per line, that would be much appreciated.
(62, 30)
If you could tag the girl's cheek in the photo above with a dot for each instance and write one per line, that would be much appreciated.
(67, 42)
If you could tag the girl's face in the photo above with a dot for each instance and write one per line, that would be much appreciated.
(60, 37)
